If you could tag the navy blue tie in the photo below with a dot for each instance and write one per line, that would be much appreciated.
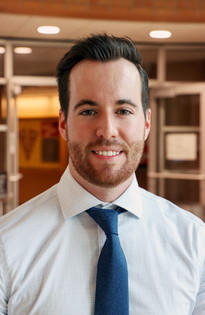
(112, 277)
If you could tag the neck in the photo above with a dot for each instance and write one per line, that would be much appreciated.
(102, 193)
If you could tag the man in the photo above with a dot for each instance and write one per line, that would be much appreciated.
(50, 246)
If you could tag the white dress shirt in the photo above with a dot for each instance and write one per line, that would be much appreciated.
(49, 249)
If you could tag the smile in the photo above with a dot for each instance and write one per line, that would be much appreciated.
(107, 153)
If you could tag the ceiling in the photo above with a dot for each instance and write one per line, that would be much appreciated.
(17, 26)
(45, 54)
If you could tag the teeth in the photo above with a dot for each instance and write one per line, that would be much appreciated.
(107, 153)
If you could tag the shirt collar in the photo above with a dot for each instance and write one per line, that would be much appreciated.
(74, 199)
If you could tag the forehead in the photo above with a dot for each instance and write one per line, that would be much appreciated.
(120, 68)
(107, 78)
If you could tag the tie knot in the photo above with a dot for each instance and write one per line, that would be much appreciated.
(107, 219)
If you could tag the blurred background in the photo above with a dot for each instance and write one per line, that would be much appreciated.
(33, 156)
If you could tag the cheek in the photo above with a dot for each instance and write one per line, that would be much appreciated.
(79, 132)
(133, 132)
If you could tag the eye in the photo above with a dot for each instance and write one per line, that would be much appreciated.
(87, 112)
(124, 112)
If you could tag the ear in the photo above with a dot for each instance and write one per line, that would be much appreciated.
(147, 123)
(62, 125)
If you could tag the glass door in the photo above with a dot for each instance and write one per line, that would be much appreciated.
(176, 169)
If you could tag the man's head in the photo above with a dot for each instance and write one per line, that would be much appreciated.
(102, 48)
(108, 118)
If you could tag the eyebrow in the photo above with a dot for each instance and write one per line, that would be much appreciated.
(83, 102)
(125, 101)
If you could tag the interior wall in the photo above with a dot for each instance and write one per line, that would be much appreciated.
(186, 71)
(38, 137)
(35, 182)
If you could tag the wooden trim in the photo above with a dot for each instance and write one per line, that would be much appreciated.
(132, 10)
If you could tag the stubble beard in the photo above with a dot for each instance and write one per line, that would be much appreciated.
(105, 175)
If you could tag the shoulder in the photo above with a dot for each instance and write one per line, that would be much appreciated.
(38, 208)
(176, 226)
(168, 210)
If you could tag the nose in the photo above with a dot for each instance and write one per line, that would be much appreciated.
(107, 127)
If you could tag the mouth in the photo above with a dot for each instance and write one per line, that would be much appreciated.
(107, 153)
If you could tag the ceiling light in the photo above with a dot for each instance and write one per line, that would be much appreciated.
(160, 34)
(2, 50)
(23, 50)
(48, 29)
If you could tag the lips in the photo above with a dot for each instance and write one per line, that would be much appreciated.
(107, 153)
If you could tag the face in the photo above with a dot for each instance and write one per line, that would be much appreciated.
(105, 128)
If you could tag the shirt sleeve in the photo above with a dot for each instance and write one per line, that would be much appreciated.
(200, 299)
(4, 283)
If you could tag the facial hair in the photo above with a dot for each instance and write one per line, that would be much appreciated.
(105, 175)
